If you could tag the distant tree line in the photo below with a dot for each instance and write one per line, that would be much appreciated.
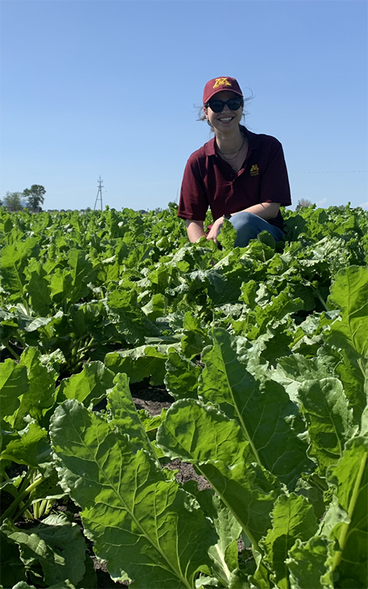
(303, 203)
(31, 199)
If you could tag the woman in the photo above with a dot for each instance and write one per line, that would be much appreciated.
(240, 175)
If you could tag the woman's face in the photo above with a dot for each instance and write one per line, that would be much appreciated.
(227, 119)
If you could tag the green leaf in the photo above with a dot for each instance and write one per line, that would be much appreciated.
(350, 479)
(227, 235)
(310, 562)
(38, 288)
(293, 518)
(293, 370)
(261, 408)
(330, 422)
(238, 580)
(30, 448)
(13, 259)
(40, 396)
(56, 544)
(11, 566)
(140, 363)
(354, 377)
(182, 376)
(215, 444)
(156, 307)
(349, 293)
(63, 585)
(225, 552)
(143, 525)
(194, 431)
(195, 337)
(88, 386)
(61, 286)
(13, 384)
(81, 272)
(125, 415)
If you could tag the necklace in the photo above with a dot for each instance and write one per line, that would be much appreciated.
(229, 159)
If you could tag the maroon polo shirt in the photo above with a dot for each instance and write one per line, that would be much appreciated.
(210, 182)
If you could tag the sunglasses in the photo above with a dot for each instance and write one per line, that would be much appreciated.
(218, 105)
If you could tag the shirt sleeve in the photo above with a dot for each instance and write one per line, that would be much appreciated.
(193, 202)
(275, 185)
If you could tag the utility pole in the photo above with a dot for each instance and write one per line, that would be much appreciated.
(99, 193)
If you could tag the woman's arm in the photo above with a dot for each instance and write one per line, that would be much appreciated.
(265, 210)
(194, 230)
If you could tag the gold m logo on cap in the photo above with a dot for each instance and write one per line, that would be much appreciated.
(222, 82)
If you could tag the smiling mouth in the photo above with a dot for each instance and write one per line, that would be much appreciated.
(225, 119)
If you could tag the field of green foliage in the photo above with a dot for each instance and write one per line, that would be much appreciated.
(264, 352)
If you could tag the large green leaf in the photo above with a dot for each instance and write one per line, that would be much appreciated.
(30, 447)
(293, 370)
(225, 553)
(142, 524)
(13, 259)
(310, 564)
(82, 273)
(215, 444)
(330, 422)
(38, 288)
(88, 386)
(129, 317)
(350, 479)
(40, 396)
(61, 286)
(292, 518)
(56, 544)
(125, 416)
(63, 585)
(261, 408)
(354, 377)
(182, 376)
(140, 363)
(349, 292)
(13, 384)
(11, 566)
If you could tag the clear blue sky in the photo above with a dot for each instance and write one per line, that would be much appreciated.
(95, 88)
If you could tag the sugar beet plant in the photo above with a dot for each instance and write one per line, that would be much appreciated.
(264, 352)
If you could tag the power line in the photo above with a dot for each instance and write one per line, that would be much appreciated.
(330, 172)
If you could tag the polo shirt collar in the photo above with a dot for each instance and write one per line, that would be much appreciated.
(253, 139)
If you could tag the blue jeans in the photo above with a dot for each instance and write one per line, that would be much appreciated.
(248, 226)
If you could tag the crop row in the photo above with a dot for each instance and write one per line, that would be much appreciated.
(264, 352)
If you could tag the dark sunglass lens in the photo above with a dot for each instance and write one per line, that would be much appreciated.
(234, 103)
(217, 105)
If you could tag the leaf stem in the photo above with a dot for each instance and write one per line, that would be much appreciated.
(22, 494)
(319, 297)
(12, 351)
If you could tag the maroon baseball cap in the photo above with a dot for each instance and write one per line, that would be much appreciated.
(218, 85)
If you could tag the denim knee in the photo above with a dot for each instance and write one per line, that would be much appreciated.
(248, 226)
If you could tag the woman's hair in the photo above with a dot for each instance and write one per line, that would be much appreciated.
(202, 117)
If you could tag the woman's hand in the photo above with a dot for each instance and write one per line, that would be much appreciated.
(215, 229)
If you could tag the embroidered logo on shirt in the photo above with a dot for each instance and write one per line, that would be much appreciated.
(221, 82)
(254, 171)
